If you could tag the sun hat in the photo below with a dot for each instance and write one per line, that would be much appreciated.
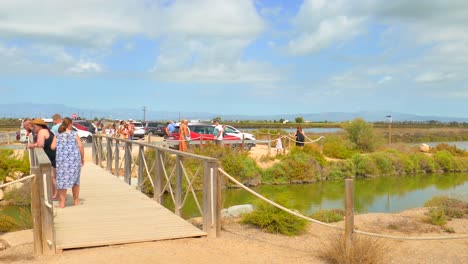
(39, 121)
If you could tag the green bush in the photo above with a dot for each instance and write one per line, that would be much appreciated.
(450, 148)
(342, 169)
(10, 224)
(383, 163)
(362, 135)
(303, 164)
(274, 220)
(423, 162)
(365, 166)
(328, 216)
(337, 147)
(10, 163)
(445, 160)
(452, 207)
(436, 216)
(241, 166)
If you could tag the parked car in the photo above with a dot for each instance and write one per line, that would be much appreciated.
(139, 130)
(22, 134)
(200, 131)
(87, 125)
(154, 128)
(85, 135)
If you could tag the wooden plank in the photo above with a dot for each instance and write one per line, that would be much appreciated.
(115, 213)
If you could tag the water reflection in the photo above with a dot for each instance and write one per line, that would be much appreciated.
(384, 194)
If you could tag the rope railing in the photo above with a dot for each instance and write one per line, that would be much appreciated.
(275, 204)
(333, 226)
(16, 181)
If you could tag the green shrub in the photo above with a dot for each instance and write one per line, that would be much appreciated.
(10, 163)
(362, 135)
(342, 169)
(423, 162)
(10, 224)
(383, 162)
(452, 207)
(365, 166)
(241, 166)
(452, 149)
(436, 216)
(328, 216)
(274, 220)
(337, 147)
(445, 160)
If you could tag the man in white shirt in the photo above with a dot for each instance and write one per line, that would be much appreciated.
(218, 133)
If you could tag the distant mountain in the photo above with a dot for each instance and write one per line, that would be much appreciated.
(20, 110)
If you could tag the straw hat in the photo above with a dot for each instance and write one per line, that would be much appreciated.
(38, 121)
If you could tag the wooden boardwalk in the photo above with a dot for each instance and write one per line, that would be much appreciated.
(113, 212)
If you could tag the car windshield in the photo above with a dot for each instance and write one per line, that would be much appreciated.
(202, 129)
(138, 125)
(230, 129)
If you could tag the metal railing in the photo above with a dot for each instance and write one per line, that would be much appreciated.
(167, 173)
(7, 137)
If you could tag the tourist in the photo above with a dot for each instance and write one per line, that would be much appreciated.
(218, 132)
(184, 135)
(57, 120)
(70, 158)
(279, 144)
(45, 137)
(171, 127)
(300, 137)
(131, 129)
(28, 125)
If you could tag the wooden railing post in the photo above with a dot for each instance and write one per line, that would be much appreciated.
(117, 158)
(210, 198)
(269, 144)
(178, 188)
(36, 210)
(141, 152)
(158, 179)
(99, 148)
(109, 154)
(47, 216)
(128, 163)
(93, 149)
(349, 214)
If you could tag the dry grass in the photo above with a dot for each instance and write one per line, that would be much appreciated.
(365, 250)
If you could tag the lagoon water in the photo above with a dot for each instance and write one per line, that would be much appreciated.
(383, 194)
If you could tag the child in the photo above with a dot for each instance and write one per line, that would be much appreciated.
(279, 144)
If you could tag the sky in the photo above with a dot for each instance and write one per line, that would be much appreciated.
(247, 57)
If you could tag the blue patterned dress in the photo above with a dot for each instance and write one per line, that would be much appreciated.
(68, 160)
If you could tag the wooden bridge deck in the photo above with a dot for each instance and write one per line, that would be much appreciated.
(113, 212)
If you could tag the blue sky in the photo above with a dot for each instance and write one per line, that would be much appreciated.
(238, 57)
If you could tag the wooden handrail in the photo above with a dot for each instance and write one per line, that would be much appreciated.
(159, 177)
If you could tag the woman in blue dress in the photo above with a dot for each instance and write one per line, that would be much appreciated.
(69, 159)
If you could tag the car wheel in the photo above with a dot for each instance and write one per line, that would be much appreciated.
(84, 140)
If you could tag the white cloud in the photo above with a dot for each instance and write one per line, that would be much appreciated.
(321, 24)
(432, 77)
(385, 79)
(86, 67)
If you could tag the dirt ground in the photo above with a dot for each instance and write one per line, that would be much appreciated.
(244, 244)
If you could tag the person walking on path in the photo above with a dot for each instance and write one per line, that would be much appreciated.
(57, 120)
(300, 137)
(70, 159)
(184, 135)
(131, 129)
(218, 133)
(44, 140)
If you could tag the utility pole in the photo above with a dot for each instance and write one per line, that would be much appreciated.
(144, 113)
(389, 119)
